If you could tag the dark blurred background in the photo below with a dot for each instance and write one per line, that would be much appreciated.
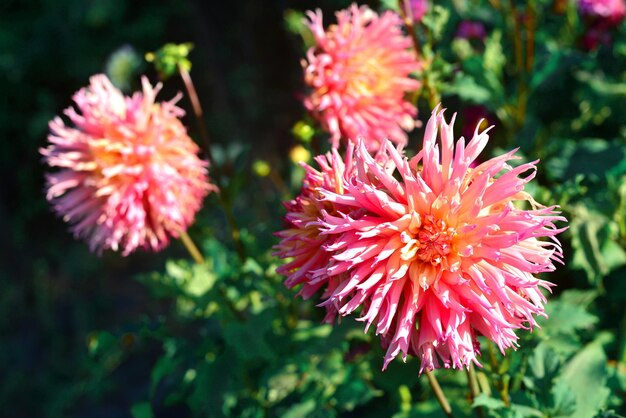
(53, 292)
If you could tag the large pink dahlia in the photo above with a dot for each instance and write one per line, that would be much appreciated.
(433, 251)
(359, 73)
(129, 174)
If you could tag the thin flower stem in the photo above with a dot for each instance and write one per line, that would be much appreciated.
(406, 12)
(279, 183)
(407, 17)
(226, 204)
(197, 109)
(531, 25)
(191, 247)
(496, 4)
(517, 38)
(199, 259)
(441, 397)
(474, 388)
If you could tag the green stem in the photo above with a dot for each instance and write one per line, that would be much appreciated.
(226, 204)
(191, 247)
(474, 388)
(441, 397)
(502, 385)
(433, 97)
(407, 16)
(197, 109)
(199, 259)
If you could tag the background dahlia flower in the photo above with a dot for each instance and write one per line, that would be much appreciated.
(129, 175)
(418, 9)
(433, 251)
(609, 12)
(358, 72)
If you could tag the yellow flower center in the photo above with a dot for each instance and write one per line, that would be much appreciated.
(428, 241)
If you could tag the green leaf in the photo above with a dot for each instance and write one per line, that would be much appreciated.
(486, 401)
(564, 400)
(601, 85)
(301, 410)
(435, 20)
(552, 64)
(494, 58)
(608, 414)
(355, 391)
(248, 339)
(468, 90)
(521, 411)
(170, 57)
(586, 375)
(141, 410)
(544, 366)
(593, 241)
(591, 157)
(295, 23)
(566, 318)
(282, 384)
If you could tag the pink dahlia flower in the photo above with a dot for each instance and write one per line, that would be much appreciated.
(471, 30)
(432, 251)
(418, 9)
(610, 12)
(359, 73)
(129, 175)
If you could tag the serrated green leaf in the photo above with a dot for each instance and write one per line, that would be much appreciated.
(586, 375)
(566, 318)
(595, 252)
(563, 399)
(544, 366)
(435, 20)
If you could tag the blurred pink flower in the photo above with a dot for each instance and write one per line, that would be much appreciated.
(359, 73)
(596, 36)
(476, 116)
(470, 29)
(129, 174)
(418, 9)
(434, 252)
(610, 12)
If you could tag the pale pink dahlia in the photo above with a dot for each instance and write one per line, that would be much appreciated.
(433, 251)
(129, 175)
(611, 12)
(359, 73)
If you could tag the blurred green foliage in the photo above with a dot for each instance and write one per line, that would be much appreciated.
(153, 336)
